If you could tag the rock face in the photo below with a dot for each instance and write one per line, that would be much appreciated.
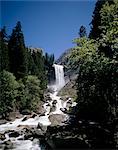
(69, 90)
(63, 59)
(57, 119)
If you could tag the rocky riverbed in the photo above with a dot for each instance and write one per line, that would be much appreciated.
(55, 128)
(29, 131)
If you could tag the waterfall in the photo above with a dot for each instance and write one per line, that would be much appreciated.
(59, 73)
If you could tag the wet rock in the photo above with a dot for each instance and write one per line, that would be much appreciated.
(14, 134)
(69, 104)
(8, 145)
(26, 112)
(54, 102)
(33, 115)
(47, 97)
(2, 137)
(35, 133)
(13, 115)
(42, 127)
(25, 118)
(69, 101)
(24, 126)
(53, 108)
(28, 134)
(64, 110)
(3, 121)
(39, 126)
(40, 109)
(43, 114)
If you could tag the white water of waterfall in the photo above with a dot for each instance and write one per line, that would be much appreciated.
(59, 72)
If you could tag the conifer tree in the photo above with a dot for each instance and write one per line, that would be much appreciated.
(4, 57)
(17, 52)
(37, 66)
(96, 21)
(82, 32)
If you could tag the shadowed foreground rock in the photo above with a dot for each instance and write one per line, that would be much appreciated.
(82, 136)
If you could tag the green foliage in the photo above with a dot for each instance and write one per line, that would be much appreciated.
(30, 93)
(109, 29)
(96, 19)
(96, 62)
(27, 93)
(8, 92)
(83, 52)
(17, 53)
(97, 87)
(4, 56)
(97, 81)
(37, 67)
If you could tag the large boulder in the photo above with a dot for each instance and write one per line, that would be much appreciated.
(35, 133)
(57, 119)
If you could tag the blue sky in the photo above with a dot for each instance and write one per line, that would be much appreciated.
(51, 25)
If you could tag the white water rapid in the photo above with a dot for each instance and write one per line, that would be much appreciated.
(59, 72)
(51, 107)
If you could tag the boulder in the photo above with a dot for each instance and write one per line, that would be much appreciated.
(33, 115)
(25, 118)
(57, 119)
(35, 133)
(53, 108)
(2, 136)
(8, 145)
(14, 134)
(26, 112)
(13, 115)
(3, 121)
(42, 127)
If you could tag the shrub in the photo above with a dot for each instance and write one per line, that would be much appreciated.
(8, 92)
(30, 93)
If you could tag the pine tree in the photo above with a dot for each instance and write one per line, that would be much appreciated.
(37, 66)
(82, 32)
(96, 21)
(4, 56)
(17, 52)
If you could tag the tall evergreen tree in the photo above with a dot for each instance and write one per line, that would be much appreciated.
(96, 21)
(4, 57)
(82, 32)
(37, 66)
(17, 52)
